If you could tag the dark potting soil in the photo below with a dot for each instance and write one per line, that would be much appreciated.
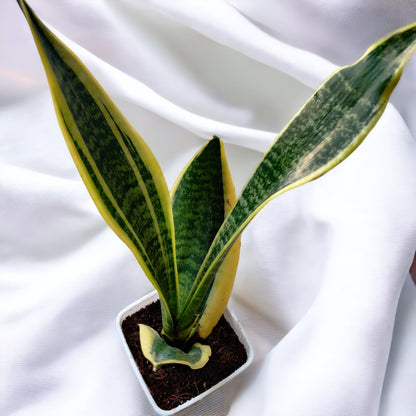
(175, 384)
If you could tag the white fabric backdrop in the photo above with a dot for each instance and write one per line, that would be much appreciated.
(323, 288)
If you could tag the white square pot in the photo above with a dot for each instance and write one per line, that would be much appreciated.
(231, 319)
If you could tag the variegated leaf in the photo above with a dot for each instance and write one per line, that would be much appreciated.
(159, 353)
(201, 198)
(117, 167)
(330, 126)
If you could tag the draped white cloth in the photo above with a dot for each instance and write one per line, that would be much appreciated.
(322, 289)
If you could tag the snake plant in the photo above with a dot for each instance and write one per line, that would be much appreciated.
(187, 241)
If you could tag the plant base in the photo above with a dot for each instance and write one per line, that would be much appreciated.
(174, 387)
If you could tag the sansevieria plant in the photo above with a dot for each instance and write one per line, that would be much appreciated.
(187, 240)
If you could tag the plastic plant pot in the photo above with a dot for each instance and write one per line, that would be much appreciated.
(230, 318)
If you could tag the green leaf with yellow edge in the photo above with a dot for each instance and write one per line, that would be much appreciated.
(198, 211)
(330, 126)
(159, 353)
(117, 167)
(202, 196)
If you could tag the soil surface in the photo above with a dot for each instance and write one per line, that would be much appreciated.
(173, 385)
